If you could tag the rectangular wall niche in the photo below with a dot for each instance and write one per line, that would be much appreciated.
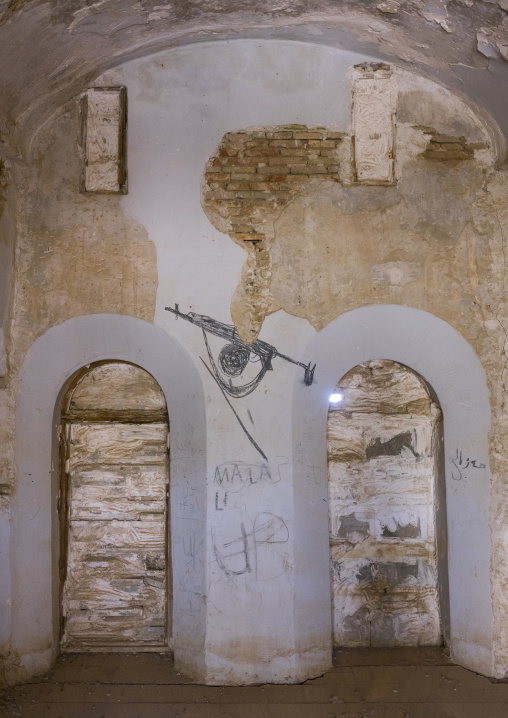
(374, 99)
(104, 140)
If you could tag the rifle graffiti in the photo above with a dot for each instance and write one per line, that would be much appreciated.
(234, 358)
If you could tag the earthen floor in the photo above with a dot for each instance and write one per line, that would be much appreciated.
(364, 683)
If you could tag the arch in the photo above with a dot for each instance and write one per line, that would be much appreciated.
(114, 479)
(387, 509)
(437, 352)
(50, 365)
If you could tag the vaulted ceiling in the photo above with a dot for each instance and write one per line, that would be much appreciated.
(51, 49)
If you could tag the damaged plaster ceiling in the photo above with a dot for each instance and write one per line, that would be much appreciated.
(52, 49)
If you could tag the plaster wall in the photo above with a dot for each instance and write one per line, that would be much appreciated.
(433, 241)
(34, 516)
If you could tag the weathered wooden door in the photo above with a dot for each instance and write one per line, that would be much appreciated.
(114, 501)
(382, 454)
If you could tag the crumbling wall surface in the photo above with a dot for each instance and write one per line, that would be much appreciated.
(68, 254)
(51, 49)
(246, 186)
(381, 497)
(76, 253)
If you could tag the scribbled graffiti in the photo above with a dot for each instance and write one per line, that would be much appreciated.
(460, 463)
(233, 477)
(255, 550)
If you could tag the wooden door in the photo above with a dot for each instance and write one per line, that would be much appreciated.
(115, 504)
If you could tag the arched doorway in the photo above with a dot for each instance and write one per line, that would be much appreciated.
(114, 577)
(386, 509)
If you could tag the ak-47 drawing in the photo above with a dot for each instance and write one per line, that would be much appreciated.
(234, 357)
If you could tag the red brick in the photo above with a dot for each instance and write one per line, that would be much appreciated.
(220, 194)
(262, 152)
(288, 144)
(236, 136)
(216, 177)
(235, 186)
(299, 169)
(280, 135)
(296, 179)
(317, 170)
(256, 143)
(309, 135)
(272, 168)
(272, 186)
(282, 160)
(244, 176)
(259, 178)
(248, 161)
(296, 152)
(276, 178)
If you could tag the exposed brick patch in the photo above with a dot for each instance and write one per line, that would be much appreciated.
(255, 171)
(247, 183)
(448, 148)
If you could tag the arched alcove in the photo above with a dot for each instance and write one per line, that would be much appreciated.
(115, 535)
(387, 509)
(439, 354)
(58, 356)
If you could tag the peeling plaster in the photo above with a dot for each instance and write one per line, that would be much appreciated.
(412, 32)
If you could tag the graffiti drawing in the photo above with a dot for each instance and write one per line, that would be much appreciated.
(460, 464)
(244, 554)
(234, 358)
(235, 476)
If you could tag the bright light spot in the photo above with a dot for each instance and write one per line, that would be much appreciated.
(335, 398)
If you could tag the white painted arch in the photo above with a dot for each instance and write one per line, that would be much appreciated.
(51, 363)
(431, 347)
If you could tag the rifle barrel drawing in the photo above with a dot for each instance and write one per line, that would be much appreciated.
(265, 351)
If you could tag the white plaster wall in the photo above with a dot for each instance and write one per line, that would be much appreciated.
(57, 356)
(181, 102)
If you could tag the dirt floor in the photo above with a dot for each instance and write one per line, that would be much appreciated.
(364, 683)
